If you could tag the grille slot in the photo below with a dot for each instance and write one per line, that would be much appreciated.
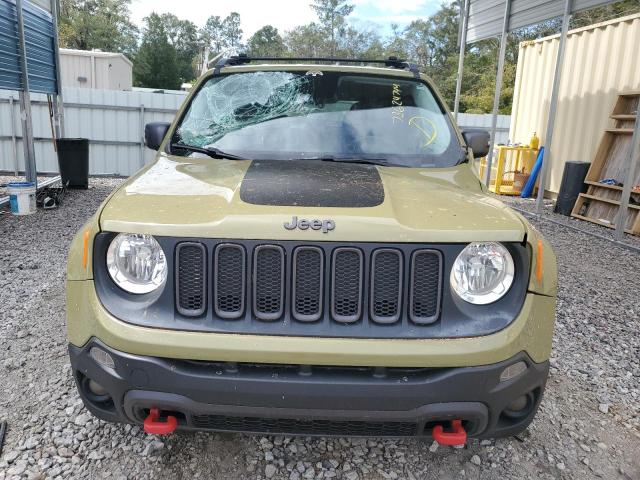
(308, 283)
(229, 284)
(305, 426)
(346, 284)
(424, 293)
(191, 285)
(386, 285)
(268, 282)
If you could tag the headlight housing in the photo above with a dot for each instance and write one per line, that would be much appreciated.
(136, 263)
(482, 273)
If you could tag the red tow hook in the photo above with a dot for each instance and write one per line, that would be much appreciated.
(458, 435)
(154, 426)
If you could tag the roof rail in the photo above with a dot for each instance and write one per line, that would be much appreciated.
(243, 59)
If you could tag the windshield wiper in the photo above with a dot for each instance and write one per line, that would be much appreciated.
(370, 161)
(211, 151)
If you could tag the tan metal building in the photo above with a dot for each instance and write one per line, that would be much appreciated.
(601, 61)
(95, 69)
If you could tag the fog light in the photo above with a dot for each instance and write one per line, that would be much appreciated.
(518, 404)
(96, 388)
(512, 371)
(102, 357)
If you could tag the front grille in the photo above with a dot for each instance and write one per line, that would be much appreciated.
(268, 282)
(305, 427)
(346, 287)
(319, 289)
(308, 283)
(191, 278)
(229, 280)
(424, 300)
(386, 285)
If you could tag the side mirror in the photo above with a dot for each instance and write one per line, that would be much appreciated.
(154, 133)
(478, 141)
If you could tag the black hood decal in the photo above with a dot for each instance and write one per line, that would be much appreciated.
(311, 183)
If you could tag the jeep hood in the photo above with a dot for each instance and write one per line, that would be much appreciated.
(205, 197)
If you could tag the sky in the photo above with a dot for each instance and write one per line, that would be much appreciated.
(285, 14)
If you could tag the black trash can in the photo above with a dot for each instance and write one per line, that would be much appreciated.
(572, 185)
(73, 160)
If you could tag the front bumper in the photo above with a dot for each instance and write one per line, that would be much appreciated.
(309, 400)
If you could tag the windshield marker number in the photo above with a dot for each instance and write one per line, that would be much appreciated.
(397, 110)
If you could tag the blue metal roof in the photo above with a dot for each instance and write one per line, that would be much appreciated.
(39, 40)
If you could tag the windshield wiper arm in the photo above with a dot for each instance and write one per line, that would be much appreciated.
(370, 161)
(211, 151)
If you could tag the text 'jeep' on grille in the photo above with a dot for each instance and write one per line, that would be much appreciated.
(311, 252)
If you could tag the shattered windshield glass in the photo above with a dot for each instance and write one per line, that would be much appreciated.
(286, 115)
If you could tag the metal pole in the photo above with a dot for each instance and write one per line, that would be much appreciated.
(14, 144)
(628, 182)
(25, 103)
(496, 96)
(464, 17)
(58, 105)
(553, 104)
(141, 135)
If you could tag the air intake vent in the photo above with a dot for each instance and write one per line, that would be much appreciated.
(346, 285)
(308, 283)
(191, 260)
(229, 280)
(305, 426)
(424, 293)
(268, 282)
(386, 285)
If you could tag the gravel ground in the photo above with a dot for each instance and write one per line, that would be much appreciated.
(588, 425)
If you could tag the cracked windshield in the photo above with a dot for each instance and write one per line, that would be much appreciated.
(286, 115)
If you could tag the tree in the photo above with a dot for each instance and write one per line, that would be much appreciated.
(182, 35)
(221, 34)
(232, 31)
(266, 42)
(305, 41)
(332, 16)
(97, 24)
(213, 34)
(156, 64)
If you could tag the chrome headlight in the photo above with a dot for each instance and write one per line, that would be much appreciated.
(136, 263)
(482, 273)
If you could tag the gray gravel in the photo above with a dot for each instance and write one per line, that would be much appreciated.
(588, 426)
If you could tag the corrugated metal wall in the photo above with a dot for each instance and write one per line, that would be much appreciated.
(114, 122)
(601, 61)
(487, 16)
(39, 41)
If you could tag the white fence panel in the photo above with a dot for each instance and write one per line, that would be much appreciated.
(472, 120)
(113, 121)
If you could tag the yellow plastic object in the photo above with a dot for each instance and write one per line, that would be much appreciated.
(509, 160)
(535, 141)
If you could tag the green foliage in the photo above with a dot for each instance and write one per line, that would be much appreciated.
(232, 31)
(332, 17)
(97, 24)
(213, 35)
(182, 35)
(156, 64)
(266, 42)
(221, 34)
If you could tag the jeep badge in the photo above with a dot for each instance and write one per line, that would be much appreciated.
(303, 224)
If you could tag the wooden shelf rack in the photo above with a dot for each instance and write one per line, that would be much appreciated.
(601, 203)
